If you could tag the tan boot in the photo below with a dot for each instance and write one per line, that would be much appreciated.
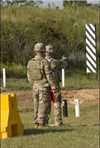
(43, 126)
(56, 124)
(36, 125)
(52, 125)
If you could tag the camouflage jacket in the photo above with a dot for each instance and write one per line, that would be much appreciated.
(56, 66)
(46, 79)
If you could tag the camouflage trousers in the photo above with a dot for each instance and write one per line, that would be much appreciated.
(42, 103)
(57, 109)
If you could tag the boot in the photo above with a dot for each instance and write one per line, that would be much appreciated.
(43, 126)
(56, 124)
(36, 125)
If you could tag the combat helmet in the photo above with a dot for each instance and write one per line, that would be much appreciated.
(39, 47)
(49, 49)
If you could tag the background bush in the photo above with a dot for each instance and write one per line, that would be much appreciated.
(22, 27)
(14, 70)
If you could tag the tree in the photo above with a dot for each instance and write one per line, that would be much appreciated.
(22, 2)
(67, 2)
(81, 2)
(74, 2)
(35, 3)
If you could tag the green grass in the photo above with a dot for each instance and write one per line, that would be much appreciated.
(13, 70)
(79, 80)
(74, 80)
(16, 84)
(82, 132)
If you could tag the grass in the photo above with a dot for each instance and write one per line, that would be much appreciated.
(74, 80)
(13, 70)
(17, 84)
(80, 80)
(75, 133)
(82, 132)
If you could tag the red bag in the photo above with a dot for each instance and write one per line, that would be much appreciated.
(53, 96)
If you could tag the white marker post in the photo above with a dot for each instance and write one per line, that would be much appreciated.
(63, 77)
(77, 108)
(4, 77)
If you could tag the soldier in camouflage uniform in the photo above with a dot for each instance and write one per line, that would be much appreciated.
(40, 77)
(56, 66)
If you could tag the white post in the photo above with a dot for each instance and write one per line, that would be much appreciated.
(77, 108)
(4, 77)
(63, 77)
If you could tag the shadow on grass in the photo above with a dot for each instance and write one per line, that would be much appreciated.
(45, 130)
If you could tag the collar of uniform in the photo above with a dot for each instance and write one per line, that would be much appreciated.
(49, 59)
(38, 57)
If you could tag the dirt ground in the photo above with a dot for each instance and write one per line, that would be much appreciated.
(25, 97)
(83, 94)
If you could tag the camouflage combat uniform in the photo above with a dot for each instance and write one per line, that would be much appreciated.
(56, 66)
(41, 88)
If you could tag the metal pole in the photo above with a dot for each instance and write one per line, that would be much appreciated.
(77, 108)
(65, 108)
(63, 77)
(4, 77)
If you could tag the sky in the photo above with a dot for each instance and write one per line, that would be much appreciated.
(60, 2)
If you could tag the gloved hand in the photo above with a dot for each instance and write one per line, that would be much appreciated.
(57, 93)
(64, 65)
(64, 58)
(57, 89)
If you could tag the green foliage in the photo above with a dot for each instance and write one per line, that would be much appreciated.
(22, 27)
(75, 79)
(78, 79)
(74, 3)
(13, 70)
(19, 3)
(18, 84)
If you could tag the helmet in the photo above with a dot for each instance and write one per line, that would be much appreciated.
(39, 47)
(49, 49)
